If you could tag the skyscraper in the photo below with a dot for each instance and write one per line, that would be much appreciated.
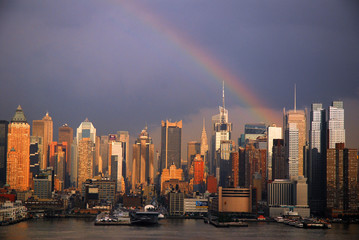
(86, 130)
(193, 148)
(104, 153)
(342, 181)
(143, 157)
(295, 129)
(317, 159)
(35, 155)
(66, 134)
(44, 128)
(273, 132)
(336, 130)
(116, 164)
(171, 144)
(221, 132)
(58, 161)
(18, 160)
(204, 145)
(3, 150)
(85, 160)
(124, 138)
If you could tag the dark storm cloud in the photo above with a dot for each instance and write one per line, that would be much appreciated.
(97, 59)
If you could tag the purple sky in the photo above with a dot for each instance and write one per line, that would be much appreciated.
(100, 60)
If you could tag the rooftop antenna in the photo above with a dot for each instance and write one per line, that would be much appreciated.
(223, 93)
(295, 98)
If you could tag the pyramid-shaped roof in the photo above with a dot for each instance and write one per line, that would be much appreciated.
(19, 116)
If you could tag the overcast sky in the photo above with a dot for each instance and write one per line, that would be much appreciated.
(109, 62)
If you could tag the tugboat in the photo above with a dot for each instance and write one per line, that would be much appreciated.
(147, 217)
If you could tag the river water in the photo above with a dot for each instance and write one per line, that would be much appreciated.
(169, 229)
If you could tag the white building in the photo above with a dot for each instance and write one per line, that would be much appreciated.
(116, 164)
(336, 128)
(273, 132)
(86, 130)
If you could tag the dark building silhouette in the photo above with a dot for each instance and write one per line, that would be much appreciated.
(3, 151)
(171, 144)
(66, 134)
(279, 161)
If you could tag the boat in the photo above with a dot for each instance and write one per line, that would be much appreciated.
(147, 217)
(279, 219)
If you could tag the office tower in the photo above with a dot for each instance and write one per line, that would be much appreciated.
(342, 181)
(18, 155)
(336, 130)
(193, 148)
(35, 155)
(273, 132)
(104, 153)
(3, 151)
(317, 159)
(44, 128)
(279, 161)
(224, 169)
(171, 144)
(86, 153)
(235, 168)
(204, 145)
(58, 161)
(43, 184)
(74, 164)
(86, 130)
(173, 173)
(198, 170)
(116, 164)
(66, 134)
(124, 138)
(96, 165)
(222, 130)
(294, 126)
(143, 157)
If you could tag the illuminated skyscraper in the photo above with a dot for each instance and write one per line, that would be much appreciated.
(204, 146)
(193, 148)
(86, 130)
(295, 129)
(336, 130)
(18, 154)
(143, 157)
(44, 128)
(116, 164)
(171, 144)
(66, 134)
(221, 132)
(85, 160)
(3, 150)
(124, 138)
(317, 159)
(58, 161)
(273, 133)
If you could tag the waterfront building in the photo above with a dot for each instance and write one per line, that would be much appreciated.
(273, 132)
(85, 160)
(172, 173)
(317, 159)
(211, 184)
(176, 203)
(66, 134)
(3, 151)
(44, 128)
(193, 148)
(195, 206)
(232, 200)
(143, 160)
(336, 130)
(18, 152)
(171, 144)
(43, 184)
(342, 181)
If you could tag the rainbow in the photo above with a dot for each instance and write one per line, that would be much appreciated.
(206, 61)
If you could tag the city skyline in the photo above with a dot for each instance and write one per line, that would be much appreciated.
(125, 63)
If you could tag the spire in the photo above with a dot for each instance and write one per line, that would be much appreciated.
(295, 97)
(204, 124)
(19, 116)
(223, 94)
